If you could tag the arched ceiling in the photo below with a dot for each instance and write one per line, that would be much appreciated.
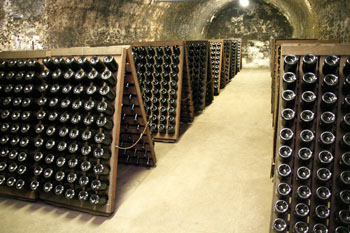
(65, 23)
(298, 12)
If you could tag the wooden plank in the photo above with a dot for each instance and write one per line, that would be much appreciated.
(24, 54)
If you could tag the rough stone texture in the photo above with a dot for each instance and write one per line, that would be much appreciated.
(23, 23)
(256, 25)
(65, 23)
(334, 19)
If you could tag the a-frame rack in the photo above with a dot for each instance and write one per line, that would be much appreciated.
(78, 101)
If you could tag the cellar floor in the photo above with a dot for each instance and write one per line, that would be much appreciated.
(215, 179)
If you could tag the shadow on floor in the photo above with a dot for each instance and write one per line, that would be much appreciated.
(129, 177)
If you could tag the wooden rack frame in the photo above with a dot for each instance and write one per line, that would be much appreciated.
(165, 137)
(225, 70)
(216, 61)
(239, 55)
(276, 70)
(321, 51)
(196, 56)
(120, 55)
(233, 65)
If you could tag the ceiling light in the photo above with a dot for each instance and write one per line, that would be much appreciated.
(244, 3)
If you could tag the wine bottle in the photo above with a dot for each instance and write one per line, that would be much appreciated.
(111, 64)
(108, 77)
(327, 120)
(84, 63)
(72, 64)
(323, 174)
(325, 157)
(301, 210)
(327, 138)
(331, 65)
(100, 169)
(320, 228)
(303, 173)
(290, 63)
(323, 193)
(309, 81)
(279, 225)
(288, 99)
(304, 155)
(96, 199)
(283, 190)
(301, 227)
(284, 170)
(281, 207)
(288, 116)
(330, 82)
(309, 63)
(321, 212)
(289, 80)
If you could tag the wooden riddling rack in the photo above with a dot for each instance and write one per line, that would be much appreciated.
(275, 66)
(209, 95)
(71, 155)
(324, 160)
(239, 56)
(275, 74)
(136, 142)
(196, 56)
(224, 61)
(235, 57)
(159, 67)
(233, 65)
(225, 70)
(216, 61)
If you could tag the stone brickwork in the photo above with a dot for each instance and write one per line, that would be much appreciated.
(64, 23)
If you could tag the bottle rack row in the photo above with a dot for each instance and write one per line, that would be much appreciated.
(197, 65)
(225, 71)
(312, 181)
(159, 68)
(223, 55)
(177, 81)
(276, 45)
(239, 56)
(64, 122)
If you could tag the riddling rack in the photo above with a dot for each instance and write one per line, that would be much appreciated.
(239, 56)
(233, 70)
(136, 142)
(235, 57)
(225, 61)
(209, 95)
(216, 61)
(275, 74)
(159, 68)
(225, 71)
(311, 191)
(61, 126)
(197, 64)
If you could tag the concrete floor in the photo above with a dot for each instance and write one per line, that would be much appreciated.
(214, 180)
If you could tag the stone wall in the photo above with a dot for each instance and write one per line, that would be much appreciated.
(64, 23)
(256, 25)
